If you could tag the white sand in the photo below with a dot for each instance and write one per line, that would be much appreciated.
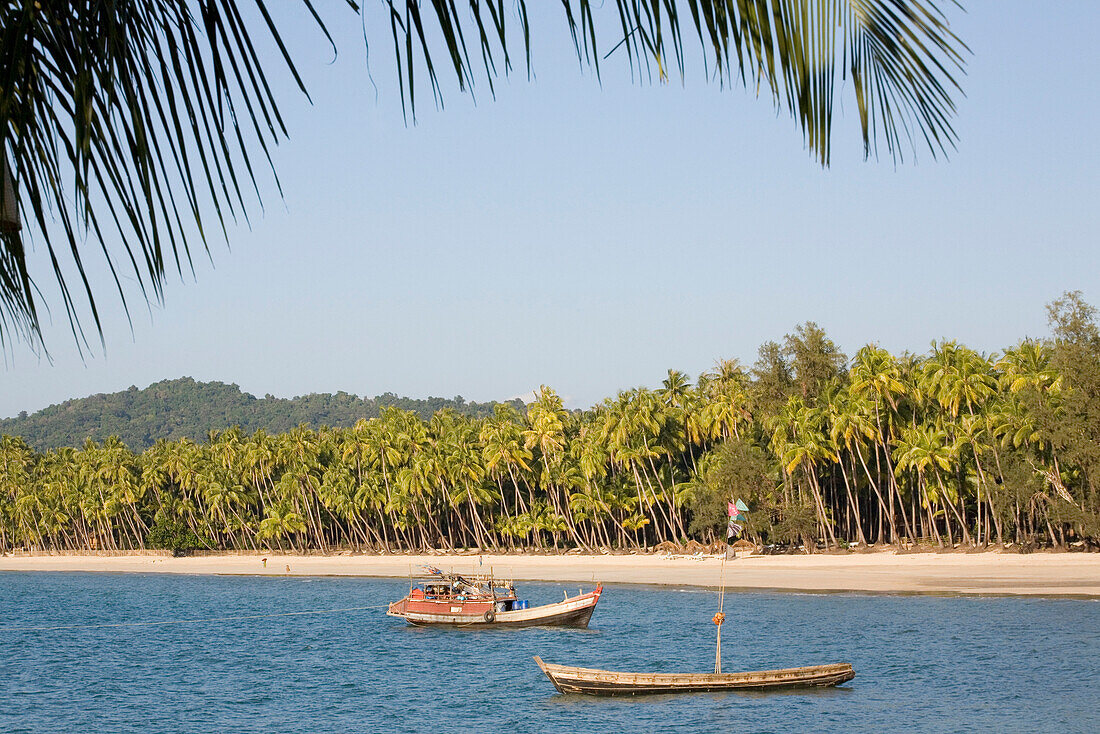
(1045, 574)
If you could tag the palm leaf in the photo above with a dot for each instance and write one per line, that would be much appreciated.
(133, 123)
(900, 55)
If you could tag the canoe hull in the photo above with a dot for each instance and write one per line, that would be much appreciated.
(574, 612)
(611, 683)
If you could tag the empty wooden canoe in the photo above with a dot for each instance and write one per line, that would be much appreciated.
(609, 683)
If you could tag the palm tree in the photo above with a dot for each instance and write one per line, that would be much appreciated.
(675, 389)
(465, 474)
(1027, 372)
(504, 452)
(925, 449)
(726, 410)
(969, 443)
(845, 428)
(159, 112)
(959, 378)
(16, 463)
(877, 378)
(800, 431)
(280, 522)
(546, 418)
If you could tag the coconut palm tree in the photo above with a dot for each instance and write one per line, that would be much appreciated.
(961, 381)
(845, 428)
(546, 432)
(281, 521)
(505, 453)
(879, 380)
(675, 389)
(970, 444)
(800, 430)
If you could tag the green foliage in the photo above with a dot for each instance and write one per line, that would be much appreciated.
(173, 535)
(793, 522)
(948, 447)
(736, 469)
(774, 379)
(814, 359)
(1072, 424)
(185, 408)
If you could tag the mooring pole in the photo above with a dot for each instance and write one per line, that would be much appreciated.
(718, 651)
(720, 617)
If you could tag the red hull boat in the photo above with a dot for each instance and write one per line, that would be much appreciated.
(480, 601)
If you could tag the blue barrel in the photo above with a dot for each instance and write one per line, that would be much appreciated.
(519, 604)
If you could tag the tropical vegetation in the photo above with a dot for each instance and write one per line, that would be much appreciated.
(944, 448)
(186, 408)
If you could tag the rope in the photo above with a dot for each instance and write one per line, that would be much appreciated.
(722, 583)
(188, 621)
(721, 616)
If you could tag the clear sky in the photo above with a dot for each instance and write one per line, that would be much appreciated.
(589, 238)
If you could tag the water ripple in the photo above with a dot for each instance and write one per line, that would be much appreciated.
(923, 663)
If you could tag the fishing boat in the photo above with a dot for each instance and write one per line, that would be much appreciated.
(596, 682)
(473, 600)
(611, 683)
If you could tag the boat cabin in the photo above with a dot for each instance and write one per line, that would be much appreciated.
(472, 593)
(474, 599)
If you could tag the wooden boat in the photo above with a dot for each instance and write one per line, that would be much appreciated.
(481, 601)
(609, 683)
(597, 682)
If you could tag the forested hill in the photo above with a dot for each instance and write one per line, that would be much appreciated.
(185, 408)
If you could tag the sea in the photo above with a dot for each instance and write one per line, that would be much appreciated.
(208, 654)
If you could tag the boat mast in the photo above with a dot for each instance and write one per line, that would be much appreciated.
(720, 617)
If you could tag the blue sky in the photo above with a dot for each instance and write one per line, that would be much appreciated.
(590, 237)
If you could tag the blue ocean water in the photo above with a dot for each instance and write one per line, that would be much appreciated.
(935, 664)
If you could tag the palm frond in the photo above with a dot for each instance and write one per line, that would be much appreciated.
(901, 55)
(133, 123)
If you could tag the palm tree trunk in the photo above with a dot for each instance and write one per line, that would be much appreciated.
(660, 537)
(878, 494)
(827, 530)
(954, 511)
(853, 507)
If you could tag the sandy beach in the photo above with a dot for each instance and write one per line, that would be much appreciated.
(990, 573)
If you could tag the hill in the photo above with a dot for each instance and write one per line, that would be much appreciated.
(186, 408)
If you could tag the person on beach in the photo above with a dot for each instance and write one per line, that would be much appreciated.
(264, 561)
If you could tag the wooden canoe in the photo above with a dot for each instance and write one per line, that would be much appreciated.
(609, 683)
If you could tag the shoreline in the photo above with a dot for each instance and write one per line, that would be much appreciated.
(1067, 575)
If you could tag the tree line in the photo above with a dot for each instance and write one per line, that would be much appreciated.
(944, 448)
(186, 408)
